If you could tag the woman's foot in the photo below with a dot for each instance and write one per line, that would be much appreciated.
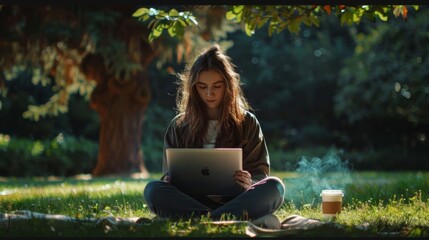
(269, 221)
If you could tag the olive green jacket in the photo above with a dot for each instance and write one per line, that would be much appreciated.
(251, 139)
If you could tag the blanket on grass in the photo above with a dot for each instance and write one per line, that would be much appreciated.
(293, 225)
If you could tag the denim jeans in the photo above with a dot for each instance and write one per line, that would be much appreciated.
(166, 201)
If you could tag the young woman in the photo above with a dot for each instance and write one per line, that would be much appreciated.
(213, 113)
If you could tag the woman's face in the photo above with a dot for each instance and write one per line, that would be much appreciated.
(211, 89)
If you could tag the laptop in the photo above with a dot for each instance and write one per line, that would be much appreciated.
(207, 171)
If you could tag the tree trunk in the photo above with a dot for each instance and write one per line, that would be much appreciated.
(121, 108)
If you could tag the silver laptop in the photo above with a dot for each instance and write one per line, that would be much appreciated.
(206, 171)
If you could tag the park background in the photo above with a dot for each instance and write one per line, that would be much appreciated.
(341, 93)
(359, 93)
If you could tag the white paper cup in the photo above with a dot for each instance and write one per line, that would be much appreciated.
(332, 201)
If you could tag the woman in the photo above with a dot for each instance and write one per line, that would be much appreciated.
(214, 113)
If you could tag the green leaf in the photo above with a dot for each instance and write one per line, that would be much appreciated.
(346, 18)
(315, 20)
(172, 30)
(145, 17)
(307, 20)
(151, 37)
(162, 15)
(238, 8)
(183, 23)
(235, 13)
(230, 15)
(356, 17)
(157, 32)
(173, 13)
(180, 30)
(294, 26)
(239, 16)
(238, 11)
(262, 22)
(397, 10)
(248, 30)
(252, 23)
(140, 12)
(381, 16)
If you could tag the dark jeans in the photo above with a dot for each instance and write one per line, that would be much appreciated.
(166, 201)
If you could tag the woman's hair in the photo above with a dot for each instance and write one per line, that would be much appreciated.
(193, 109)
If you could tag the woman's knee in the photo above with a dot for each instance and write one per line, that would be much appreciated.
(276, 183)
(151, 190)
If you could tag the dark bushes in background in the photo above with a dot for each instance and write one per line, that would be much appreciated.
(385, 159)
(68, 156)
(61, 156)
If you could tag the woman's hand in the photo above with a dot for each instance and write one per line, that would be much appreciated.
(243, 178)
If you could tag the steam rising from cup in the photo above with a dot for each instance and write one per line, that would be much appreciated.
(314, 175)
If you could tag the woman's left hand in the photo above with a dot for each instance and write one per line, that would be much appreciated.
(243, 178)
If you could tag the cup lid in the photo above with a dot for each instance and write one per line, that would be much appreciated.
(332, 192)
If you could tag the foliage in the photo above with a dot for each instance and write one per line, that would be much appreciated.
(388, 158)
(58, 48)
(100, 52)
(277, 17)
(394, 204)
(32, 158)
(382, 97)
(384, 76)
(290, 81)
(156, 121)
(173, 21)
(61, 36)
(79, 121)
(61, 156)
(290, 78)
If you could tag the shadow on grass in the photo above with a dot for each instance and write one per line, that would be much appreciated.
(42, 228)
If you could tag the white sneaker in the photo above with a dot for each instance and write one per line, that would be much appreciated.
(269, 221)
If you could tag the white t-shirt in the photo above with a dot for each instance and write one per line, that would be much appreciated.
(209, 142)
(211, 134)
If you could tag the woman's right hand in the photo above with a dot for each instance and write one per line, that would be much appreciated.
(243, 178)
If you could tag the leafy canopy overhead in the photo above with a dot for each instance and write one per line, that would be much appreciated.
(277, 17)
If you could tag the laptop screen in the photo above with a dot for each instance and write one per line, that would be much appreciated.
(206, 171)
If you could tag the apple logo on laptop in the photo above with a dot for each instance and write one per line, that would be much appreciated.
(205, 171)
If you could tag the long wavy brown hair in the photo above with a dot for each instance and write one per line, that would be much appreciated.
(194, 115)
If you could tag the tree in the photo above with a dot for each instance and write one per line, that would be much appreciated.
(101, 53)
(72, 44)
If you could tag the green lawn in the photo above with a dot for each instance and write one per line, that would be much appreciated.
(388, 203)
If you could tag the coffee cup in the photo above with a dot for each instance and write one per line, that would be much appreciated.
(331, 202)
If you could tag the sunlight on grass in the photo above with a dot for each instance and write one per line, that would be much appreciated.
(391, 203)
(94, 198)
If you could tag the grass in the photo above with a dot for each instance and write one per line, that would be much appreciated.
(387, 203)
